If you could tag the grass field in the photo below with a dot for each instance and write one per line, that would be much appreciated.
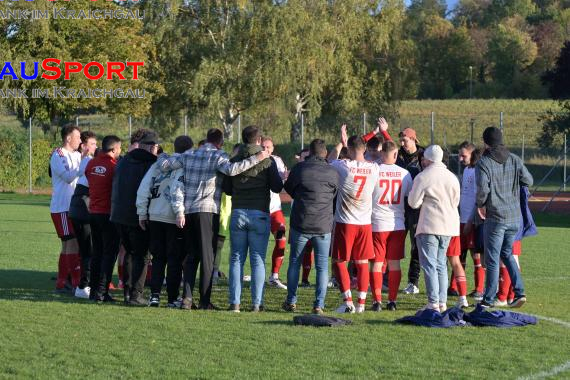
(44, 335)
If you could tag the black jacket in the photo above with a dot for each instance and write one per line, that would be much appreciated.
(78, 208)
(129, 173)
(250, 190)
(312, 184)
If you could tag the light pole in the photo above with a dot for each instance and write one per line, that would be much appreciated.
(470, 82)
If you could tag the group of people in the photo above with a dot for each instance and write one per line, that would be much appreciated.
(355, 204)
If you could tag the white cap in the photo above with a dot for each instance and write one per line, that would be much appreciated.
(434, 153)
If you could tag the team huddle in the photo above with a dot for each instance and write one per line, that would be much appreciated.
(355, 204)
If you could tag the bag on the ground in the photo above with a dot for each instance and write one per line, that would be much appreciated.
(319, 321)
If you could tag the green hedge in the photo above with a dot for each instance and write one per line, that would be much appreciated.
(14, 159)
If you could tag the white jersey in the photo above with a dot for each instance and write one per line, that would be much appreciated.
(393, 186)
(354, 198)
(275, 204)
(83, 179)
(64, 167)
(467, 200)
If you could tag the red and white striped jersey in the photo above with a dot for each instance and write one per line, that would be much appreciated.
(64, 167)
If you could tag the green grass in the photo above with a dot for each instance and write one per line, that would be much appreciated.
(50, 336)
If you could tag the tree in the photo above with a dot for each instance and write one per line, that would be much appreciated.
(556, 124)
(559, 77)
(87, 40)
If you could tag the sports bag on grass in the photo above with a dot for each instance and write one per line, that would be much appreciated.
(320, 321)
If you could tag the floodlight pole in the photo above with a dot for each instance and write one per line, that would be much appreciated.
(30, 163)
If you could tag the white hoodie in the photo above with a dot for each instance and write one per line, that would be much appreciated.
(153, 196)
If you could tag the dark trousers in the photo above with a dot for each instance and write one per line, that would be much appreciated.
(83, 235)
(201, 236)
(106, 242)
(166, 247)
(135, 241)
(414, 269)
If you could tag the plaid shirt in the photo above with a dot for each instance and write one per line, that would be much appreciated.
(498, 188)
(202, 176)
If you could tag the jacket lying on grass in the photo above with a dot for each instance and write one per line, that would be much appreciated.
(455, 317)
(320, 321)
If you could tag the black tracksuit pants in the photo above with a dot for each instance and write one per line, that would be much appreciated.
(166, 247)
(136, 242)
(106, 243)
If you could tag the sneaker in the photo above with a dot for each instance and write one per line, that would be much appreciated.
(518, 301)
(499, 303)
(359, 308)
(154, 300)
(173, 305)
(392, 306)
(290, 307)
(377, 306)
(462, 303)
(138, 301)
(431, 306)
(187, 304)
(257, 308)
(317, 310)
(346, 308)
(442, 307)
(209, 306)
(411, 289)
(247, 278)
(305, 284)
(485, 305)
(452, 293)
(234, 308)
(276, 283)
(477, 296)
(83, 293)
(332, 283)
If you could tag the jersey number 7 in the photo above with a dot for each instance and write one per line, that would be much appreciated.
(393, 186)
(362, 180)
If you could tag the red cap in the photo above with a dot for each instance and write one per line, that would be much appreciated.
(410, 133)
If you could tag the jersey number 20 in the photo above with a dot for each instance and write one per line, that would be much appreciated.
(393, 187)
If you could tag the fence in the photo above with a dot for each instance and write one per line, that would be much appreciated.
(447, 130)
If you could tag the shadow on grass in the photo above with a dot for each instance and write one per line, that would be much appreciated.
(277, 323)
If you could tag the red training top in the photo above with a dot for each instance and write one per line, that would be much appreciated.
(99, 173)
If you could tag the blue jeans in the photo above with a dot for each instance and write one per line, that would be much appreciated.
(321, 245)
(499, 239)
(433, 260)
(249, 230)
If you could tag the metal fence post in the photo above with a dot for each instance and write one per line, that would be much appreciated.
(472, 128)
(77, 121)
(501, 121)
(522, 153)
(302, 131)
(565, 146)
(239, 128)
(363, 123)
(130, 127)
(30, 163)
(432, 126)
(185, 125)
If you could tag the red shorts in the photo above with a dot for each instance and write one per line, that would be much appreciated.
(389, 245)
(63, 225)
(517, 248)
(454, 248)
(352, 242)
(467, 241)
(277, 222)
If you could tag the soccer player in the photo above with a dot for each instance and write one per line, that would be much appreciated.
(79, 213)
(409, 157)
(388, 225)
(157, 215)
(100, 172)
(64, 171)
(353, 230)
(277, 218)
(468, 156)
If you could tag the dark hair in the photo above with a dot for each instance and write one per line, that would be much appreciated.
(214, 136)
(357, 143)
(201, 142)
(475, 152)
(182, 144)
(109, 142)
(86, 135)
(318, 148)
(67, 130)
(445, 158)
(343, 153)
(138, 135)
(373, 144)
(250, 134)
(467, 145)
(389, 146)
(160, 150)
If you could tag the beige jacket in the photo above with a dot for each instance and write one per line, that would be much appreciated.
(436, 190)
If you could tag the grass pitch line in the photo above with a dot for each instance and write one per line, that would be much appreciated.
(556, 370)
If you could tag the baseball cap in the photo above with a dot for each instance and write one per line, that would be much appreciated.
(409, 133)
(149, 138)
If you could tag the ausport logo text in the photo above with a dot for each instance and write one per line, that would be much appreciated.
(92, 70)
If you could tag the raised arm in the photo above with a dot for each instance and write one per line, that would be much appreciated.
(382, 128)
(335, 152)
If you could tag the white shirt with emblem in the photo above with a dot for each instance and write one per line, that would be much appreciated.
(64, 174)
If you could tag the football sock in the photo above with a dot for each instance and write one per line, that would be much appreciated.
(479, 274)
(394, 284)
(61, 271)
(278, 255)
(453, 283)
(363, 280)
(461, 282)
(74, 265)
(343, 280)
(376, 285)
(504, 284)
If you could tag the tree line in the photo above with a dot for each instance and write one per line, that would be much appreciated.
(325, 60)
